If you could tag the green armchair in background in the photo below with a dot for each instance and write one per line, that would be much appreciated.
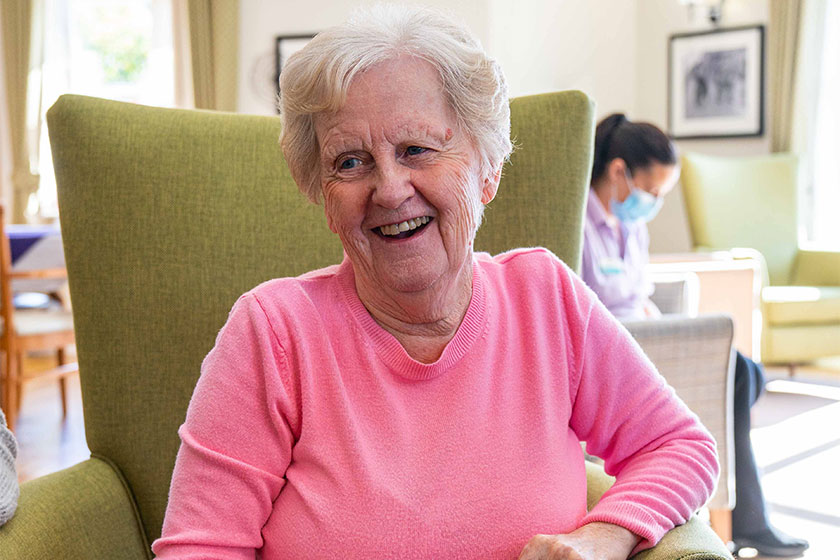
(750, 202)
(167, 217)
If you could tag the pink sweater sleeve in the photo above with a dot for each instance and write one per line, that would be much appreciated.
(236, 443)
(664, 460)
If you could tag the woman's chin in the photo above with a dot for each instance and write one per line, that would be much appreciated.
(409, 277)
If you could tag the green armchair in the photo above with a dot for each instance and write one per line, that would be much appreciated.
(167, 217)
(750, 202)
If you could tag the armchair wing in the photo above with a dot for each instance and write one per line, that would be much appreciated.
(81, 513)
(817, 268)
(751, 202)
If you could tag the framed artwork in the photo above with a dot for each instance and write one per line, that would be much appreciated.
(716, 83)
(286, 46)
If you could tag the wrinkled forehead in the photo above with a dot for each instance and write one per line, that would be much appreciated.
(399, 95)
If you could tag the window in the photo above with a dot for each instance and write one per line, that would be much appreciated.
(821, 145)
(117, 49)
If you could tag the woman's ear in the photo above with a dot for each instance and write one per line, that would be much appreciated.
(491, 185)
(616, 169)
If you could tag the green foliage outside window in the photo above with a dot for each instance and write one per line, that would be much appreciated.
(123, 55)
(119, 32)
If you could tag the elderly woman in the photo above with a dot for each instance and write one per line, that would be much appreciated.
(420, 400)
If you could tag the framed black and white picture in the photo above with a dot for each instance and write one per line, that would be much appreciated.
(716, 83)
(286, 46)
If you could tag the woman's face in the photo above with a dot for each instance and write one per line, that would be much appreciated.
(657, 179)
(401, 181)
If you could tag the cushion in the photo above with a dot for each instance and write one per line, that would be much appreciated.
(41, 321)
(801, 305)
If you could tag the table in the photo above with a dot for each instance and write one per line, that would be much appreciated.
(727, 285)
(35, 247)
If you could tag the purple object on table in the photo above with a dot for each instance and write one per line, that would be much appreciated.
(23, 236)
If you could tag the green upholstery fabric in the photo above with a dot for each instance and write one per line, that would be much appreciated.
(695, 540)
(744, 202)
(536, 200)
(801, 305)
(53, 510)
(169, 215)
(736, 202)
(817, 268)
(793, 344)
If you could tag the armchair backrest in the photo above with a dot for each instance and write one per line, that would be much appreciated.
(541, 195)
(744, 202)
(169, 215)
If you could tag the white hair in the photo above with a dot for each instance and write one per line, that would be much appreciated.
(316, 80)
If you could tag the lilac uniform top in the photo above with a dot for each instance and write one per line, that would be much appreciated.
(614, 261)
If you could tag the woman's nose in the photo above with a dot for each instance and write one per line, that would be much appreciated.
(392, 185)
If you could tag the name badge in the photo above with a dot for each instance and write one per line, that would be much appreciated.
(610, 266)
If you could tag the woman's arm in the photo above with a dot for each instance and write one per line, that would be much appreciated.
(236, 443)
(664, 460)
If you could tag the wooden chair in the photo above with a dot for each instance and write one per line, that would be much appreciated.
(27, 330)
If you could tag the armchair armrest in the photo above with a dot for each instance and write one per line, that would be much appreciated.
(694, 540)
(84, 512)
(817, 268)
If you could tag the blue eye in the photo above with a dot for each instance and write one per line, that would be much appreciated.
(414, 150)
(350, 163)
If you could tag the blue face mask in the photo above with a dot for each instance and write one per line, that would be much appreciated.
(640, 205)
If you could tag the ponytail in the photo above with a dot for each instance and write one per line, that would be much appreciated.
(638, 144)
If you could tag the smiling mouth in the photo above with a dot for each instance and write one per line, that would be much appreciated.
(404, 229)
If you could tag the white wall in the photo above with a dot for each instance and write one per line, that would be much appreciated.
(549, 45)
(261, 21)
(542, 45)
(656, 21)
(614, 50)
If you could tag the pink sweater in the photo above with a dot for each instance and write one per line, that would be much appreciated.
(312, 434)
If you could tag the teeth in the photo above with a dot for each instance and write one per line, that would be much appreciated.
(408, 225)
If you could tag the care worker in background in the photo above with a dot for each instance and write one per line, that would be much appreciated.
(635, 166)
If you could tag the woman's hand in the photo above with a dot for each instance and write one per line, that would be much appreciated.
(593, 541)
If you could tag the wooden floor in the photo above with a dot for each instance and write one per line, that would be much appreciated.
(46, 442)
(796, 437)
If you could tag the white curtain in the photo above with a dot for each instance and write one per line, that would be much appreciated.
(784, 30)
(214, 47)
(16, 19)
(816, 129)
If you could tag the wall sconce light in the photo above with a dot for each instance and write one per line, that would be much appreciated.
(713, 9)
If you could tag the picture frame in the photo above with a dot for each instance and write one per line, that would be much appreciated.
(716, 83)
(284, 47)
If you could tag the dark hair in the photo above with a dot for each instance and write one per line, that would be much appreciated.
(638, 144)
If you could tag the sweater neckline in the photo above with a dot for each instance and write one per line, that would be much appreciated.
(389, 348)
